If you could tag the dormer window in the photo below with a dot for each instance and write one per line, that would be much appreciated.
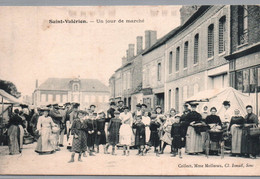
(75, 87)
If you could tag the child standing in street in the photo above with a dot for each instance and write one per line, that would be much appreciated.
(113, 132)
(140, 134)
(92, 130)
(79, 143)
(101, 136)
(178, 135)
(154, 136)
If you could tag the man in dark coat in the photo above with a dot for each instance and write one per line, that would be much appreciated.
(111, 111)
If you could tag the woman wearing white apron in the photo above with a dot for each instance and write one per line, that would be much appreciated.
(126, 130)
(146, 120)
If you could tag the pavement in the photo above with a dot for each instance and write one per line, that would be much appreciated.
(31, 163)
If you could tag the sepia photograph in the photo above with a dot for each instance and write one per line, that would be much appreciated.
(157, 90)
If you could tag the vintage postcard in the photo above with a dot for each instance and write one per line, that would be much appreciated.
(130, 90)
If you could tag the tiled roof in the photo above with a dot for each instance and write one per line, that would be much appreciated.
(63, 84)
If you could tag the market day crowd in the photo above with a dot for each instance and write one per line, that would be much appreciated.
(86, 130)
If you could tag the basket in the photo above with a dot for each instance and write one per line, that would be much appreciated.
(215, 136)
(55, 129)
(255, 131)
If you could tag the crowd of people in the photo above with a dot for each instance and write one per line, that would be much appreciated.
(86, 130)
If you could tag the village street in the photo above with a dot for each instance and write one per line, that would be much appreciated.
(57, 164)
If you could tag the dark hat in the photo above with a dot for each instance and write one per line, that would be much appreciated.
(153, 116)
(67, 104)
(226, 103)
(49, 105)
(177, 116)
(116, 112)
(55, 105)
(94, 114)
(112, 103)
(92, 105)
(139, 105)
(24, 106)
(125, 107)
(144, 105)
(76, 105)
(193, 104)
(120, 101)
(139, 116)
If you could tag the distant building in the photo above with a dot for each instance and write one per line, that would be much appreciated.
(244, 60)
(62, 90)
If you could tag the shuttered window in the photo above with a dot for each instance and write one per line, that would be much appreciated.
(185, 56)
(211, 41)
(222, 30)
(177, 58)
(196, 48)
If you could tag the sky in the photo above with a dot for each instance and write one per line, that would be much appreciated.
(32, 48)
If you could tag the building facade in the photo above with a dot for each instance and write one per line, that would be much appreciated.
(62, 90)
(244, 60)
(194, 55)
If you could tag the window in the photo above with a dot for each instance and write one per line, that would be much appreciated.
(245, 81)
(211, 41)
(50, 98)
(43, 97)
(185, 57)
(64, 98)
(239, 80)
(75, 87)
(177, 99)
(170, 98)
(159, 69)
(242, 25)
(128, 80)
(170, 63)
(196, 49)
(58, 98)
(177, 58)
(221, 34)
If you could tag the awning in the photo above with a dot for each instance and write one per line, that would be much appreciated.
(7, 98)
(204, 96)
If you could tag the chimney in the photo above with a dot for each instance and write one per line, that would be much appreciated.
(150, 38)
(124, 60)
(186, 12)
(139, 44)
(36, 84)
(131, 50)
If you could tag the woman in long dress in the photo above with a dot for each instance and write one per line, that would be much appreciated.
(101, 135)
(146, 120)
(44, 126)
(126, 130)
(250, 144)
(194, 141)
(214, 123)
(235, 128)
(78, 130)
(15, 133)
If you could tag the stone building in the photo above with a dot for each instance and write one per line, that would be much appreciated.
(62, 90)
(194, 55)
(244, 60)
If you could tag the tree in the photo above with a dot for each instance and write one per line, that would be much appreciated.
(10, 88)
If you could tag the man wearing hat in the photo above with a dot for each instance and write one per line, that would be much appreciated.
(92, 109)
(120, 106)
(57, 119)
(110, 111)
(72, 115)
(62, 111)
(138, 110)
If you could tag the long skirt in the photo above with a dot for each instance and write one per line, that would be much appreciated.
(45, 142)
(167, 138)
(91, 139)
(194, 143)
(125, 134)
(79, 144)
(101, 139)
(250, 144)
(15, 135)
(154, 139)
(113, 138)
(147, 134)
(236, 140)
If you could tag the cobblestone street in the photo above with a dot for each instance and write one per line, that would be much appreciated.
(57, 164)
